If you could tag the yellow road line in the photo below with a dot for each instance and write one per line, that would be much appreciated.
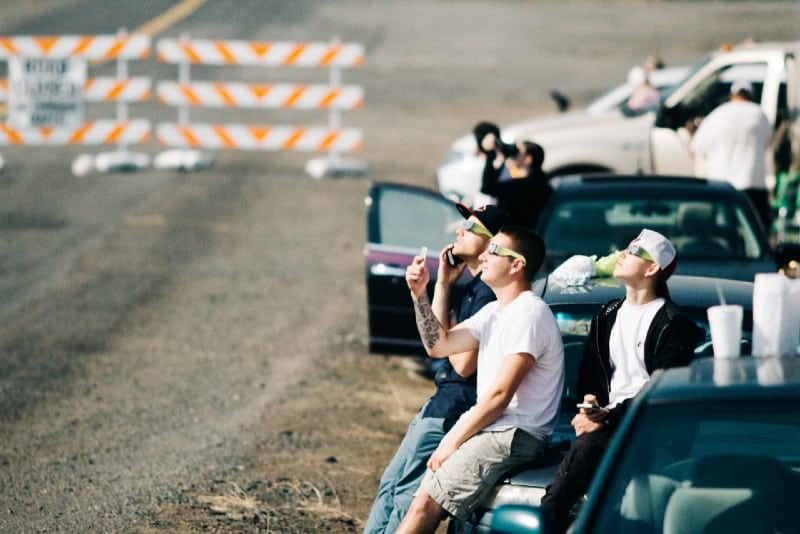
(168, 18)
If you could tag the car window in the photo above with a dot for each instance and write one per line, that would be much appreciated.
(699, 229)
(715, 89)
(732, 448)
(411, 218)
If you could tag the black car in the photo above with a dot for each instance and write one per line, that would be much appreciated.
(715, 230)
(713, 447)
(712, 225)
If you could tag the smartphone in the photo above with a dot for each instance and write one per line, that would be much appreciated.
(423, 252)
(452, 259)
(588, 406)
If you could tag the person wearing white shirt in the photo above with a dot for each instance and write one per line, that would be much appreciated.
(628, 340)
(731, 144)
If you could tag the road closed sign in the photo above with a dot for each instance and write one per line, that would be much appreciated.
(46, 92)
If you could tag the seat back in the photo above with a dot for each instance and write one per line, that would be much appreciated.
(645, 500)
(712, 510)
(699, 232)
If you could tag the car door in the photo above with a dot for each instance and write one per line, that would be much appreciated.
(400, 220)
(704, 91)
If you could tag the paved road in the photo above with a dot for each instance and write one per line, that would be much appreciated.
(119, 293)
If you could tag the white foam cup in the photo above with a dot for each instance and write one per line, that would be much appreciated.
(725, 323)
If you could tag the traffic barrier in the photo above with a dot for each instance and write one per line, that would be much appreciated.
(52, 89)
(187, 137)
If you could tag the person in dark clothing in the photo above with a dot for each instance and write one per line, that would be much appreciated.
(513, 175)
(628, 340)
(455, 377)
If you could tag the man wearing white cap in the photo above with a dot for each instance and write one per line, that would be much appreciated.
(628, 340)
(733, 140)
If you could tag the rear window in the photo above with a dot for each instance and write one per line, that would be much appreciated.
(699, 229)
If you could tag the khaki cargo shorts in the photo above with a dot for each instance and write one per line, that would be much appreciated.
(472, 471)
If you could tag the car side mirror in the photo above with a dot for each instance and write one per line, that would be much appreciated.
(517, 519)
(671, 118)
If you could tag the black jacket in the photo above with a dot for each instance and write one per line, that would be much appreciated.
(523, 198)
(670, 342)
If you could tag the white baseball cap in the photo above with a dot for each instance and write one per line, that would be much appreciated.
(658, 246)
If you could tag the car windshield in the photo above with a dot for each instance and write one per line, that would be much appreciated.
(699, 229)
(735, 460)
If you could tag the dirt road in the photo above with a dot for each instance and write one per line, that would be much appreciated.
(186, 352)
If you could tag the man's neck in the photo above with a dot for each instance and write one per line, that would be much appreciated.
(640, 296)
(509, 292)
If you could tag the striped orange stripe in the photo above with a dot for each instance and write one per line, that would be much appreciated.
(294, 138)
(45, 43)
(116, 132)
(222, 48)
(115, 91)
(328, 141)
(12, 134)
(83, 44)
(190, 95)
(190, 52)
(260, 91)
(189, 136)
(222, 133)
(116, 47)
(260, 49)
(329, 97)
(223, 92)
(296, 53)
(295, 95)
(79, 134)
(259, 132)
(8, 44)
(330, 55)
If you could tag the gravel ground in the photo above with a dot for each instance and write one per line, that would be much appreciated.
(199, 364)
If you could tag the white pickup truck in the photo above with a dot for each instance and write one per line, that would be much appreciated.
(656, 142)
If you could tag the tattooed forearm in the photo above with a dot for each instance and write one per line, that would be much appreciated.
(427, 324)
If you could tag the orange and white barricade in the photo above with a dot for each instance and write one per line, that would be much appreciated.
(187, 138)
(32, 52)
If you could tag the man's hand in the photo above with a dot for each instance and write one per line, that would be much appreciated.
(447, 274)
(417, 276)
(442, 453)
(589, 419)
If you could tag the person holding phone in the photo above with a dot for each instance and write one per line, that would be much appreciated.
(520, 377)
(455, 375)
(628, 339)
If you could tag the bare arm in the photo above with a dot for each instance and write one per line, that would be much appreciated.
(438, 341)
(489, 407)
(464, 363)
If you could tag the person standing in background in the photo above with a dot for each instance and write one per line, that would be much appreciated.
(732, 142)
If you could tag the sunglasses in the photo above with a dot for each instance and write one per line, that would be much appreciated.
(475, 228)
(499, 250)
(636, 250)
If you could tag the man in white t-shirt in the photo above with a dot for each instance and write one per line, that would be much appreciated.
(520, 379)
(628, 339)
(731, 144)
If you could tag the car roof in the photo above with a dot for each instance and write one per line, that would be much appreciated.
(695, 291)
(726, 378)
(592, 183)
